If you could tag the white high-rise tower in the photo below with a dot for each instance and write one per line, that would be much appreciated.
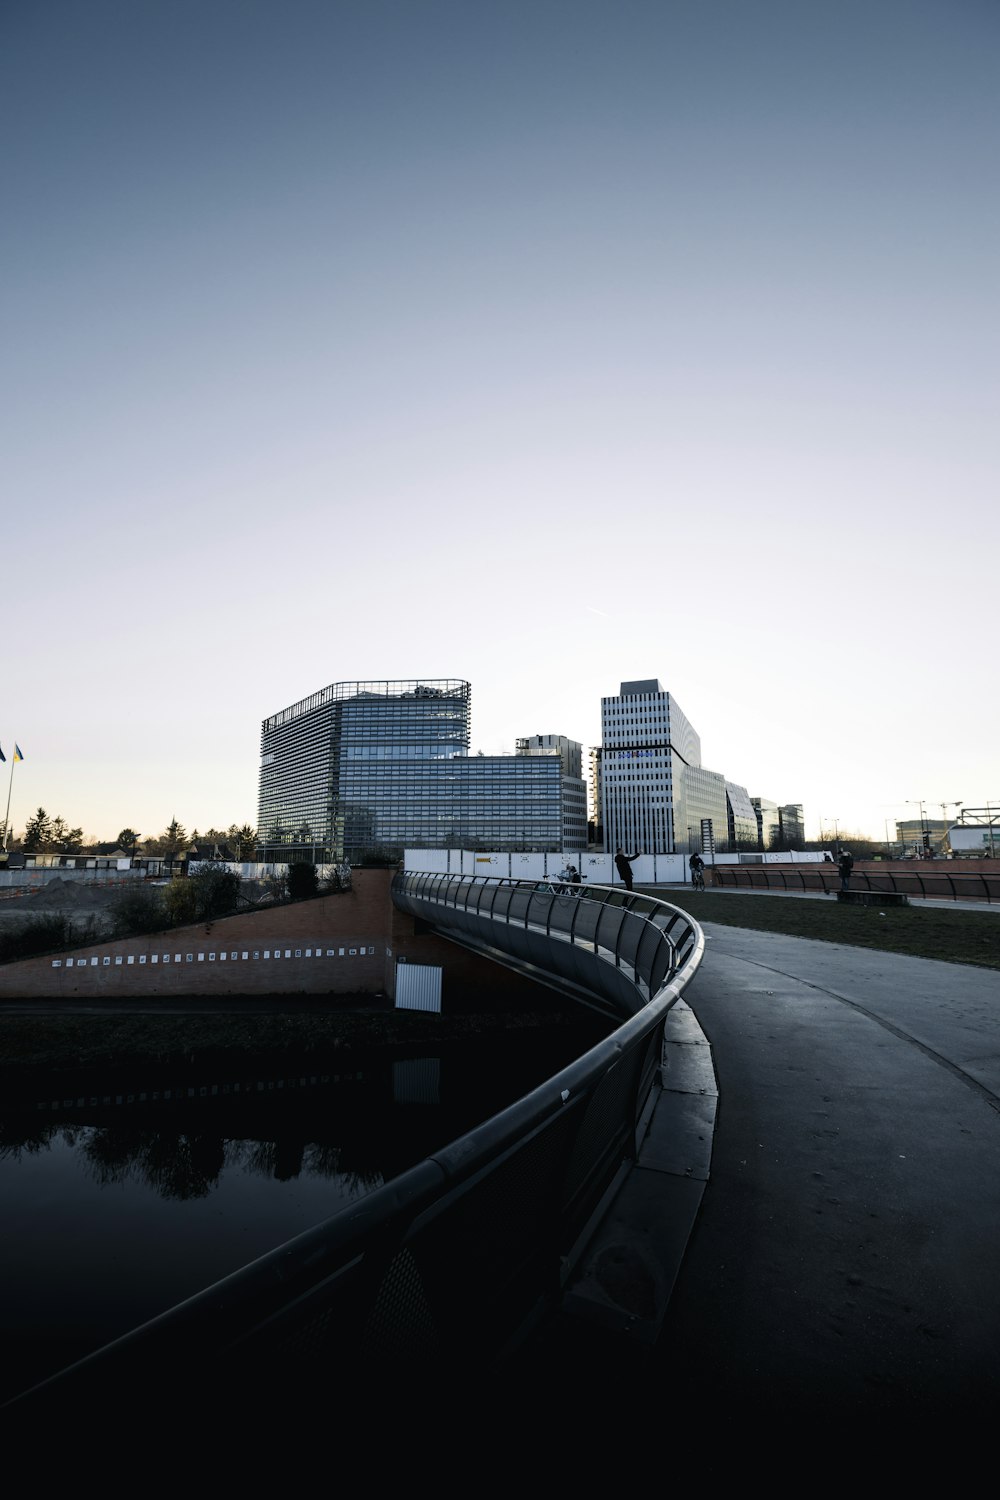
(647, 746)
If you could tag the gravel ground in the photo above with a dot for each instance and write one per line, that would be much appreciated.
(79, 901)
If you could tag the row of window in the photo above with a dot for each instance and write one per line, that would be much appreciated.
(119, 959)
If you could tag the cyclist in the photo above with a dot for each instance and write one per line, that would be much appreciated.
(697, 871)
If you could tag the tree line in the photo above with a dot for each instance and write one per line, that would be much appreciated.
(145, 907)
(45, 834)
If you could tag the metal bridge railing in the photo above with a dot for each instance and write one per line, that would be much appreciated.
(967, 885)
(619, 945)
(452, 1264)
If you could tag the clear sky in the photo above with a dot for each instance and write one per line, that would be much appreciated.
(541, 344)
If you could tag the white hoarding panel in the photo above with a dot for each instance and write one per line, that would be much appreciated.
(597, 868)
(491, 864)
(418, 987)
(671, 869)
(432, 860)
(527, 866)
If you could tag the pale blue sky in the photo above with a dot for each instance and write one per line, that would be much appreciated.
(546, 345)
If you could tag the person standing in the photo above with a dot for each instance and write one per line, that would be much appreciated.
(624, 863)
(845, 864)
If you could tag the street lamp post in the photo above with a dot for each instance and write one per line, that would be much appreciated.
(919, 802)
(944, 814)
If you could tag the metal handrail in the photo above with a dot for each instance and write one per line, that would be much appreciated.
(965, 885)
(453, 1263)
(617, 985)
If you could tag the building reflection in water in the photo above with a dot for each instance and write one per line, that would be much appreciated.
(119, 1203)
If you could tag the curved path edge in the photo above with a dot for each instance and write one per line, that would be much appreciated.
(626, 1276)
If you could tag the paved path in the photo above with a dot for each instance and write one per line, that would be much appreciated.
(845, 1260)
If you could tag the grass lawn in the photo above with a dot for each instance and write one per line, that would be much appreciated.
(958, 937)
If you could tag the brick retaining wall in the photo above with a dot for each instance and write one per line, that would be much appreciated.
(334, 945)
(343, 944)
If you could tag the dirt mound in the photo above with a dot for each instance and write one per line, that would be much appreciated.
(72, 895)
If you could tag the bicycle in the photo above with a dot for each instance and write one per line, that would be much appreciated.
(698, 879)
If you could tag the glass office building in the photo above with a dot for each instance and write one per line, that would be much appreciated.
(768, 822)
(793, 825)
(742, 817)
(705, 801)
(364, 768)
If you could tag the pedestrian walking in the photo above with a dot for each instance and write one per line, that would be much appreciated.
(624, 863)
(574, 880)
(845, 864)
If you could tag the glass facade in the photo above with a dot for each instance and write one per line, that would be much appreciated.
(295, 799)
(742, 817)
(792, 823)
(366, 768)
(574, 788)
(392, 765)
(768, 822)
(705, 797)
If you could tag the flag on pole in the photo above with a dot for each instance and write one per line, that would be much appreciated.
(17, 751)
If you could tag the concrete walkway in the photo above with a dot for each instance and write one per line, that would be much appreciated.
(844, 1259)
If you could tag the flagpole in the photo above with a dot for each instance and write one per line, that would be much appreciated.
(6, 818)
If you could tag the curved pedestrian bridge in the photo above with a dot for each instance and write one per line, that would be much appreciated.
(456, 1262)
(617, 948)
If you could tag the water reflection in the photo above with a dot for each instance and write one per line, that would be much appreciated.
(121, 1201)
(179, 1137)
(181, 1164)
(180, 1145)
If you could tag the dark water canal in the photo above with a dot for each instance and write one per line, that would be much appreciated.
(121, 1201)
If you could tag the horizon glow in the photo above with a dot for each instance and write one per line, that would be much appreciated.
(546, 346)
